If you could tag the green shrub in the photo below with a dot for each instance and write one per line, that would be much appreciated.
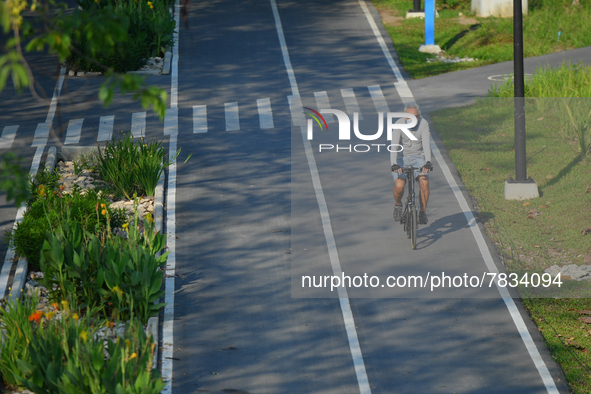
(150, 30)
(44, 210)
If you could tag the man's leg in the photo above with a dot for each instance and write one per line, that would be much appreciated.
(398, 192)
(423, 192)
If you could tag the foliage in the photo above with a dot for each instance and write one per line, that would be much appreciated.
(46, 207)
(13, 180)
(490, 40)
(64, 355)
(133, 167)
(112, 274)
(16, 334)
(568, 80)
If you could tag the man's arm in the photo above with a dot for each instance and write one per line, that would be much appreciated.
(395, 140)
(426, 140)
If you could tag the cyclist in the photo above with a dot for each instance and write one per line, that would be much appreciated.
(415, 153)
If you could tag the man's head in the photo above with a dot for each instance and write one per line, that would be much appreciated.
(413, 109)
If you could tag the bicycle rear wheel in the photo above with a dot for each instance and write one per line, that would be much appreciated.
(413, 228)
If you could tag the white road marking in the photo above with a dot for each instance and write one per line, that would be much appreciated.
(322, 102)
(265, 113)
(297, 110)
(232, 116)
(138, 125)
(40, 144)
(351, 103)
(74, 131)
(379, 101)
(407, 97)
(41, 134)
(171, 124)
(199, 119)
(7, 137)
(349, 321)
(105, 131)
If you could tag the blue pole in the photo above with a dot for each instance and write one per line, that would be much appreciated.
(429, 22)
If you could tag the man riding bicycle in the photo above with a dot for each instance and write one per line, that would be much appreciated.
(416, 153)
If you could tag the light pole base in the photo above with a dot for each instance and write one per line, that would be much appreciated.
(521, 190)
(430, 48)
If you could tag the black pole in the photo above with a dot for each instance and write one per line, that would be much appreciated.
(519, 101)
(416, 6)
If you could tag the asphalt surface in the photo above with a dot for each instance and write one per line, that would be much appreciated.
(246, 210)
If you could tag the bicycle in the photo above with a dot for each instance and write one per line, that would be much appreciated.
(409, 218)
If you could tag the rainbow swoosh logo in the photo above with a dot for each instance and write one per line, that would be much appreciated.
(314, 114)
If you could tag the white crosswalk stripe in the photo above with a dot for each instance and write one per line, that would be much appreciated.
(74, 131)
(199, 119)
(265, 113)
(7, 137)
(105, 131)
(232, 116)
(351, 103)
(138, 125)
(322, 102)
(379, 101)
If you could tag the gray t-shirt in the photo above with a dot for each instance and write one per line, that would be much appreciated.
(422, 146)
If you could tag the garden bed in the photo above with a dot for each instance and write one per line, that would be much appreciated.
(93, 289)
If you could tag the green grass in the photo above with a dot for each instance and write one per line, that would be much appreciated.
(490, 40)
(569, 80)
(532, 235)
(567, 337)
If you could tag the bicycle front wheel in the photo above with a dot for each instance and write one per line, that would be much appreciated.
(413, 228)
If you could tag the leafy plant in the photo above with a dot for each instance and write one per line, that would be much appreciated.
(16, 335)
(133, 167)
(112, 274)
(46, 208)
(67, 357)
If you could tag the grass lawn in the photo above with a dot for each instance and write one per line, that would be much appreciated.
(490, 40)
(533, 235)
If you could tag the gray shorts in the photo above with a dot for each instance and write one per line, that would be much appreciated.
(417, 161)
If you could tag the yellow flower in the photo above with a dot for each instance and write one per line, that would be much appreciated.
(65, 305)
(150, 4)
(84, 335)
(149, 218)
(104, 212)
(133, 355)
(125, 226)
(103, 206)
(117, 291)
(49, 315)
(75, 316)
(41, 190)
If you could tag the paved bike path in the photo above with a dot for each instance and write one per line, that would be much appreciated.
(236, 328)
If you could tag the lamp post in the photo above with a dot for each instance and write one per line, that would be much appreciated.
(522, 187)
